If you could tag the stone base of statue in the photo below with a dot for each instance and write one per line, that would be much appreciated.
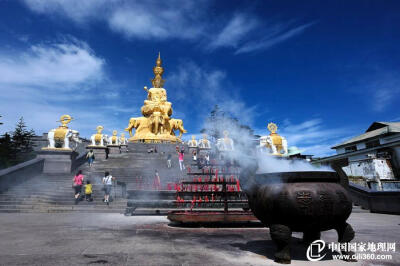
(57, 160)
(124, 148)
(204, 151)
(193, 149)
(114, 149)
(100, 152)
(151, 138)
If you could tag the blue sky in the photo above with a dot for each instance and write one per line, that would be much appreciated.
(322, 70)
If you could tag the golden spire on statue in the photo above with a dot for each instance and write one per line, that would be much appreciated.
(157, 81)
(272, 127)
(65, 120)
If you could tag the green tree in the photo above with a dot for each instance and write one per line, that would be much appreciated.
(7, 152)
(22, 141)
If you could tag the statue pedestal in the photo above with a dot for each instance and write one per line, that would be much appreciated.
(192, 149)
(57, 161)
(124, 148)
(204, 151)
(114, 149)
(100, 152)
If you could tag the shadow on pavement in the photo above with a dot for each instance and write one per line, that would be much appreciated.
(267, 248)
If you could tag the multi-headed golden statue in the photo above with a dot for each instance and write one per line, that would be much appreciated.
(156, 124)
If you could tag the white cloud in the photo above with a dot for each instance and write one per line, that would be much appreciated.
(234, 32)
(383, 97)
(77, 10)
(174, 19)
(311, 136)
(197, 89)
(135, 19)
(51, 65)
(273, 35)
(378, 87)
(46, 81)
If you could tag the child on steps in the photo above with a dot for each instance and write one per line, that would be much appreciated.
(88, 191)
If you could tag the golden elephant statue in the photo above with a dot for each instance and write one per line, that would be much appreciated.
(157, 123)
(176, 124)
(141, 125)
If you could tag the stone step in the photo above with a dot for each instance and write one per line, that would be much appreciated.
(60, 210)
(71, 204)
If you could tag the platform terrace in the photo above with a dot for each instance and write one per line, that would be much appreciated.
(114, 239)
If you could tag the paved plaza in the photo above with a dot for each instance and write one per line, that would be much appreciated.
(114, 239)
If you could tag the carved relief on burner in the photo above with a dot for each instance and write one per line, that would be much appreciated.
(304, 200)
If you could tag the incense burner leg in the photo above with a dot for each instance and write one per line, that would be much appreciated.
(281, 235)
(311, 236)
(345, 235)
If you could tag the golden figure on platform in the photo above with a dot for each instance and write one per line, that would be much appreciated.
(122, 139)
(204, 143)
(60, 138)
(276, 144)
(226, 143)
(114, 140)
(193, 142)
(156, 124)
(99, 139)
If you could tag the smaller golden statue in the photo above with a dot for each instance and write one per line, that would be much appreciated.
(226, 143)
(62, 135)
(114, 140)
(122, 139)
(276, 144)
(204, 143)
(193, 142)
(99, 139)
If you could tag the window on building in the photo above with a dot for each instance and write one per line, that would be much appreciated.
(350, 148)
(372, 143)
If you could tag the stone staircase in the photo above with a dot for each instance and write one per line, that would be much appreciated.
(54, 193)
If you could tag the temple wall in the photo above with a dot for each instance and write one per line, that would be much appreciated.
(370, 169)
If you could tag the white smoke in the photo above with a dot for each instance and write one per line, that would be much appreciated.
(272, 164)
(247, 154)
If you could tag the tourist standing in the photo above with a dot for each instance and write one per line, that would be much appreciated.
(77, 184)
(107, 182)
(169, 157)
(181, 157)
(194, 156)
(207, 157)
(157, 181)
(90, 157)
(88, 191)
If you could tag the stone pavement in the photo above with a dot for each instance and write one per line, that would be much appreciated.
(113, 239)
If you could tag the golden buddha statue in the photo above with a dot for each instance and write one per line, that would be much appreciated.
(156, 125)
(276, 144)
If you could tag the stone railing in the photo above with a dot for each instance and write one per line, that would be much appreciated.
(375, 201)
(21, 172)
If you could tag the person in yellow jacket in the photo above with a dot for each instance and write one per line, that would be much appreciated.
(88, 191)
